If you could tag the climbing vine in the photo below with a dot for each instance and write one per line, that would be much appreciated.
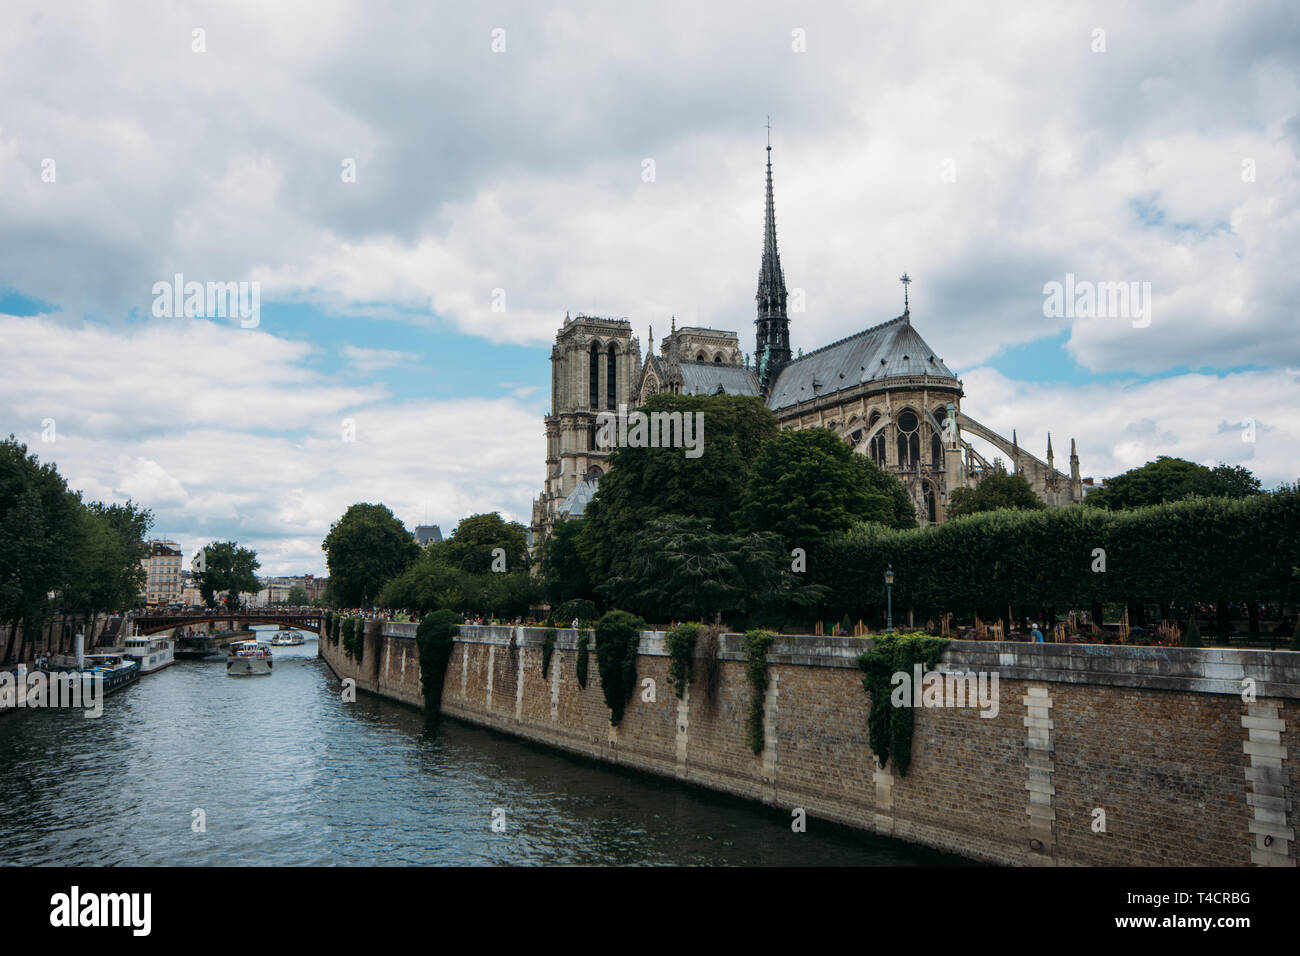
(681, 651)
(548, 648)
(350, 636)
(435, 638)
(756, 644)
(706, 666)
(580, 665)
(618, 635)
(889, 727)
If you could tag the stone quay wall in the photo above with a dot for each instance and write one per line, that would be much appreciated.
(1159, 740)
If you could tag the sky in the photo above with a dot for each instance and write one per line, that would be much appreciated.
(422, 192)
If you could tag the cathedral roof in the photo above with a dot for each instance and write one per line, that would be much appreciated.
(576, 503)
(707, 378)
(893, 349)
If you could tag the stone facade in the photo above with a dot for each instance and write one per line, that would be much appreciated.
(594, 364)
(1158, 739)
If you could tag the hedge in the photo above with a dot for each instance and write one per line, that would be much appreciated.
(1199, 550)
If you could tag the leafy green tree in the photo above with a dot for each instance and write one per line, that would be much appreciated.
(563, 570)
(1172, 479)
(41, 523)
(996, 490)
(108, 575)
(886, 483)
(647, 483)
(809, 484)
(298, 596)
(681, 567)
(364, 549)
(230, 568)
(472, 544)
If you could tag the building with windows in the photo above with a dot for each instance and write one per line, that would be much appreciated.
(162, 568)
(883, 389)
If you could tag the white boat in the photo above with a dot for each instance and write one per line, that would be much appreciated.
(118, 669)
(288, 639)
(248, 659)
(152, 653)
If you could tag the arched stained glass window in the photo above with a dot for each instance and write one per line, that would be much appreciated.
(909, 439)
(611, 380)
(877, 448)
(594, 383)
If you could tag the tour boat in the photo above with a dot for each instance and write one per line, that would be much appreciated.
(248, 659)
(152, 653)
(288, 639)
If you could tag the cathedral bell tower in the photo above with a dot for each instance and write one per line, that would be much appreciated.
(772, 349)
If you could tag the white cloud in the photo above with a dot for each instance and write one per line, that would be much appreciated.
(247, 444)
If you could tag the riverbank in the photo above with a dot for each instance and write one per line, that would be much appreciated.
(1097, 754)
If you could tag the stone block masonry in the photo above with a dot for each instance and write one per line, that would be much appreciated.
(1157, 744)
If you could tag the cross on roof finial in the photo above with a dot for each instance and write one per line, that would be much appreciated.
(906, 280)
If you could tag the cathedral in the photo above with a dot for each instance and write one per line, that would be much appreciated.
(882, 389)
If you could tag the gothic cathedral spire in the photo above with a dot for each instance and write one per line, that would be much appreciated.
(773, 323)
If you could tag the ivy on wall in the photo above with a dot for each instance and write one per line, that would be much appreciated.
(618, 635)
(349, 636)
(756, 644)
(706, 668)
(888, 727)
(435, 638)
(580, 665)
(681, 651)
(548, 648)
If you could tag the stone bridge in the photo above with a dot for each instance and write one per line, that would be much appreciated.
(150, 622)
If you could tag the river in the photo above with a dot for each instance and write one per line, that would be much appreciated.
(286, 774)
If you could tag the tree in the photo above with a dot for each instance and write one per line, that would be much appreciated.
(886, 483)
(996, 490)
(563, 570)
(1172, 479)
(298, 596)
(473, 546)
(108, 575)
(230, 568)
(809, 484)
(40, 524)
(365, 548)
(682, 567)
(647, 483)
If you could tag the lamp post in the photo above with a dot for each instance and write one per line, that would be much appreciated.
(889, 600)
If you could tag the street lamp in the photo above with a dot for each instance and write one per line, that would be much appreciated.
(889, 599)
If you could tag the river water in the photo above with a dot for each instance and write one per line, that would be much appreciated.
(287, 774)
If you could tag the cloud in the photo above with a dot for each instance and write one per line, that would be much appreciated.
(227, 442)
(368, 361)
(519, 174)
